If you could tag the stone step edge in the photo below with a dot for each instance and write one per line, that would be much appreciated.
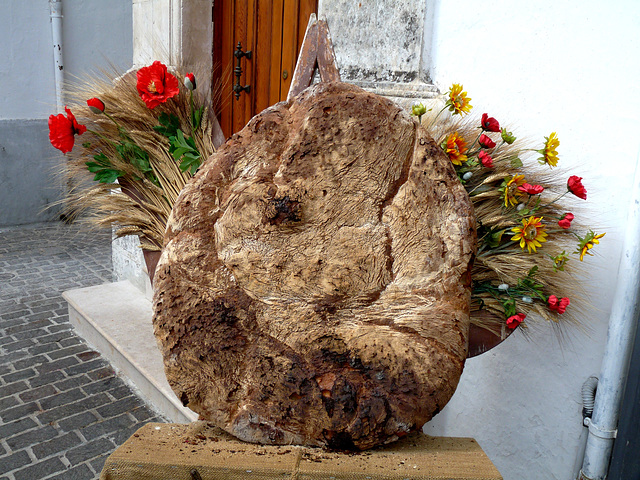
(92, 326)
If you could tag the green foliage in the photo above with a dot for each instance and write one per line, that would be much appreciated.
(196, 117)
(104, 171)
(516, 162)
(184, 150)
(169, 125)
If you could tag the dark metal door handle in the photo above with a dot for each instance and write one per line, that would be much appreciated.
(238, 53)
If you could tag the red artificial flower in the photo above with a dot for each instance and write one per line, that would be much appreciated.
(574, 184)
(514, 320)
(190, 81)
(486, 159)
(95, 105)
(531, 189)
(559, 306)
(486, 142)
(156, 85)
(565, 221)
(62, 130)
(490, 124)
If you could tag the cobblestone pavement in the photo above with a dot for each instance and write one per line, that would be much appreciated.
(63, 410)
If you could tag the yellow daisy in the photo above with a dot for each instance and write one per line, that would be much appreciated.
(511, 192)
(458, 101)
(531, 234)
(549, 153)
(587, 243)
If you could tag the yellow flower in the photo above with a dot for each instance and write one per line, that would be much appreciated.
(511, 192)
(456, 148)
(531, 234)
(549, 153)
(458, 101)
(587, 243)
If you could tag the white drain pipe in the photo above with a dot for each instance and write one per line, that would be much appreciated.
(55, 12)
(620, 338)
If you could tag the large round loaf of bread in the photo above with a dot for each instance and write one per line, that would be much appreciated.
(314, 284)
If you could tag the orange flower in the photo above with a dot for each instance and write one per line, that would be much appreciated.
(549, 152)
(511, 191)
(531, 234)
(456, 148)
(458, 101)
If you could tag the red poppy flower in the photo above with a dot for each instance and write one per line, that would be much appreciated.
(190, 81)
(515, 320)
(486, 142)
(62, 130)
(565, 221)
(486, 159)
(95, 105)
(490, 124)
(559, 306)
(531, 189)
(156, 85)
(574, 184)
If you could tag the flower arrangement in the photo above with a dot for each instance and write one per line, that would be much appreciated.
(141, 137)
(524, 228)
(147, 135)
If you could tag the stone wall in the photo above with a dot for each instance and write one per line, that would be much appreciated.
(380, 45)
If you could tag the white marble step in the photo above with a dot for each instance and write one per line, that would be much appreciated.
(115, 318)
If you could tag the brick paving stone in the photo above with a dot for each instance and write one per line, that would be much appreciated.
(13, 461)
(9, 429)
(120, 406)
(105, 427)
(81, 472)
(63, 409)
(79, 421)
(15, 413)
(56, 445)
(89, 450)
(32, 437)
(37, 393)
(40, 469)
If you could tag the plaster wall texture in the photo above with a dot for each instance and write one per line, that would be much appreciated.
(28, 183)
(94, 34)
(540, 67)
(379, 44)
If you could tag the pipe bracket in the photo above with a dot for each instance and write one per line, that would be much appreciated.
(597, 431)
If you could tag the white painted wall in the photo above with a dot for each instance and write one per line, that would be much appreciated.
(94, 32)
(570, 67)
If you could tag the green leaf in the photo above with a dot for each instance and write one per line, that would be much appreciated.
(169, 125)
(196, 118)
(184, 150)
(509, 305)
(516, 162)
(495, 238)
(104, 172)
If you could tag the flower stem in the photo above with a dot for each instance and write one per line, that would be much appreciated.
(436, 117)
(551, 203)
(193, 135)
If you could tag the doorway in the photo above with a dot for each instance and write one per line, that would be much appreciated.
(272, 30)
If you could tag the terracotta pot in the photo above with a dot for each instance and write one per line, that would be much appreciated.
(482, 340)
(151, 258)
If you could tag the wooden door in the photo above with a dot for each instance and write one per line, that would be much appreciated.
(273, 31)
